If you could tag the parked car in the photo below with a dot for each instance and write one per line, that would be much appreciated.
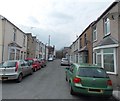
(1, 64)
(36, 65)
(65, 62)
(15, 69)
(43, 62)
(50, 59)
(89, 80)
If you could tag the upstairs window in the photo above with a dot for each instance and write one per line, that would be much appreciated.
(14, 34)
(85, 40)
(94, 33)
(80, 42)
(106, 26)
(24, 40)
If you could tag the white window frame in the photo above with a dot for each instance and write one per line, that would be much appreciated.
(94, 34)
(14, 34)
(102, 61)
(106, 22)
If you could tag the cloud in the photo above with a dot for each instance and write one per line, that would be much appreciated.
(32, 20)
(62, 19)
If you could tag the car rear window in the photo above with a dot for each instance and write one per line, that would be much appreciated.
(92, 72)
(65, 59)
(9, 64)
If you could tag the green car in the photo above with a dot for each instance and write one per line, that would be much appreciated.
(88, 80)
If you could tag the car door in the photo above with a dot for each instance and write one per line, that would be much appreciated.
(27, 68)
(23, 67)
(70, 72)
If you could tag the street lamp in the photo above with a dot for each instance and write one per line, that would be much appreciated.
(45, 51)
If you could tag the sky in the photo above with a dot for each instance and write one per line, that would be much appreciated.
(62, 20)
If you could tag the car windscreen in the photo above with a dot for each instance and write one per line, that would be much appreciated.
(29, 61)
(1, 65)
(9, 64)
(65, 59)
(92, 72)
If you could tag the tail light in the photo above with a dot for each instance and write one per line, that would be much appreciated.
(109, 83)
(76, 80)
(16, 66)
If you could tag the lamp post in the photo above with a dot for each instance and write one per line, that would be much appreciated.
(45, 51)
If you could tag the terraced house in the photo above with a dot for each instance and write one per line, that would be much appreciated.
(81, 49)
(99, 43)
(13, 41)
(106, 42)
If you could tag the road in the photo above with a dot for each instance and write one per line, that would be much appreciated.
(47, 83)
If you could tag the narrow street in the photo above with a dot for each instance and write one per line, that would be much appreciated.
(47, 83)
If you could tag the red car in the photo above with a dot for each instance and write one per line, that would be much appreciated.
(43, 62)
(35, 63)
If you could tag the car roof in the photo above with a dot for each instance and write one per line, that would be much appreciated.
(12, 60)
(86, 65)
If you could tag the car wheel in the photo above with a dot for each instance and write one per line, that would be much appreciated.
(35, 69)
(66, 78)
(19, 79)
(31, 72)
(71, 91)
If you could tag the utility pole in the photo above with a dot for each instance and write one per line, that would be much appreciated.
(49, 41)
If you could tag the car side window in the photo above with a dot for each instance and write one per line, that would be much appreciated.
(71, 68)
(26, 64)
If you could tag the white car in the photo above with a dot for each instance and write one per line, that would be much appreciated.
(65, 62)
(15, 69)
(50, 59)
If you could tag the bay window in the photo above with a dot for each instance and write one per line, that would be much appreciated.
(106, 58)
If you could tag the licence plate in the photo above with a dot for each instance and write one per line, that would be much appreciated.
(95, 90)
(4, 78)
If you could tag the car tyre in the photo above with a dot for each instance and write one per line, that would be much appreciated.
(20, 77)
(35, 69)
(66, 78)
(31, 72)
(71, 91)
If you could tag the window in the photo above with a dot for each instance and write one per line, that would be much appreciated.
(85, 40)
(106, 26)
(98, 58)
(14, 34)
(92, 72)
(24, 40)
(80, 58)
(71, 68)
(107, 59)
(94, 33)
(80, 42)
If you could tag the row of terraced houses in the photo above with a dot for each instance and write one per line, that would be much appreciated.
(16, 44)
(99, 43)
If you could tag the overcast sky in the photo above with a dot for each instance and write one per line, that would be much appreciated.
(63, 20)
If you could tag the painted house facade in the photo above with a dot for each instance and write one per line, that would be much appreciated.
(85, 46)
(106, 42)
(1, 40)
(81, 49)
(30, 50)
(13, 43)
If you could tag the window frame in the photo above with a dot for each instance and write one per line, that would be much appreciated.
(94, 33)
(106, 22)
(14, 34)
(102, 58)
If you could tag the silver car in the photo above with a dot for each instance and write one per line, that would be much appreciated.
(15, 69)
(65, 62)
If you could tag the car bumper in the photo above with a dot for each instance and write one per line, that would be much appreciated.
(66, 64)
(93, 91)
(9, 77)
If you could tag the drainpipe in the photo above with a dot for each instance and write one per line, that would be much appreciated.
(3, 37)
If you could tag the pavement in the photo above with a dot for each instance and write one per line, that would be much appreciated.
(116, 94)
